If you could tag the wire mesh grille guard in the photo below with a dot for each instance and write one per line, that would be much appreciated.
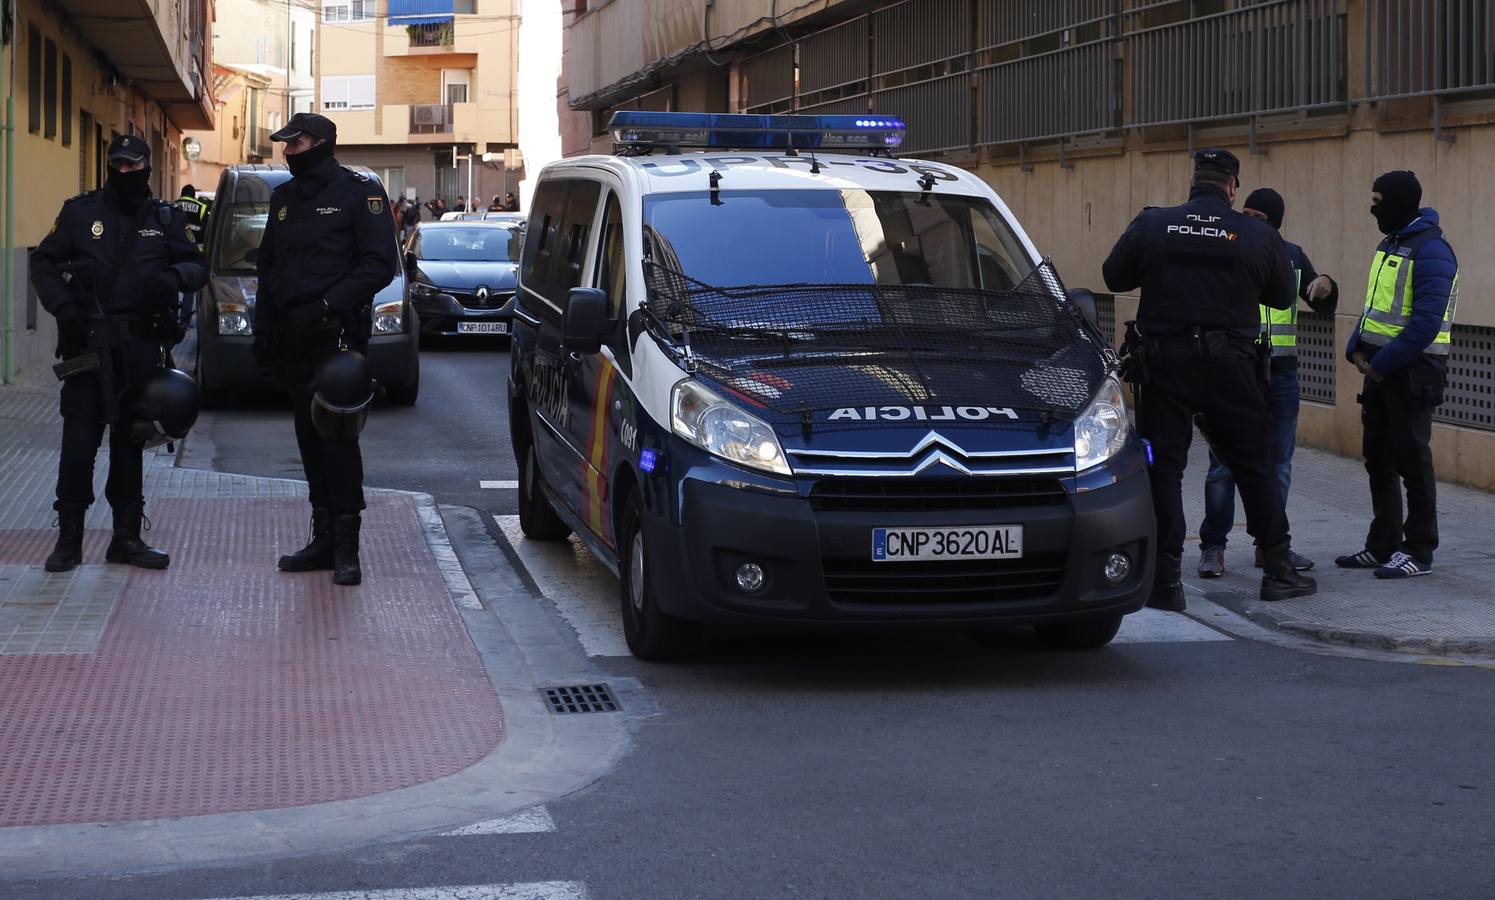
(805, 354)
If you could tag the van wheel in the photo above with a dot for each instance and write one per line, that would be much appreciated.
(1085, 634)
(537, 519)
(651, 634)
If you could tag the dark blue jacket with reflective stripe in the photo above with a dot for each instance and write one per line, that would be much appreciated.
(1432, 283)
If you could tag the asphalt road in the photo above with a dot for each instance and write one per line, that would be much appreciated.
(929, 767)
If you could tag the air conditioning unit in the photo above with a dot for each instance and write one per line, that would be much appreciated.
(429, 115)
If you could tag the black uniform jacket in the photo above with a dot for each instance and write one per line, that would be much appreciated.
(329, 237)
(1202, 264)
(92, 227)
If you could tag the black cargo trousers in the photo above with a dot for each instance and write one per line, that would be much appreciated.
(1397, 415)
(1216, 374)
(334, 469)
(84, 419)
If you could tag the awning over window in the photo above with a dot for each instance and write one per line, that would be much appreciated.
(419, 12)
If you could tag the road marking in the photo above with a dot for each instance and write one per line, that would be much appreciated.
(532, 890)
(499, 485)
(1153, 626)
(584, 592)
(586, 595)
(535, 820)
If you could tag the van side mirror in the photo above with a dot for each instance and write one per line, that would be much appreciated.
(1085, 300)
(409, 260)
(585, 322)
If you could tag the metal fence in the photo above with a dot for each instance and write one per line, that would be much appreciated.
(1428, 47)
(1268, 57)
(1317, 356)
(766, 81)
(1469, 399)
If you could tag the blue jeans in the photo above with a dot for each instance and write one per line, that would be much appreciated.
(1219, 484)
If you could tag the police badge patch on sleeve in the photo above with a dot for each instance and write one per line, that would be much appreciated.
(376, 205)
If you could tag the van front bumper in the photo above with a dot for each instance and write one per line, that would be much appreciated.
(819, 569)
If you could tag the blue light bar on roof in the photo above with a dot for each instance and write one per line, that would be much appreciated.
(636, 129)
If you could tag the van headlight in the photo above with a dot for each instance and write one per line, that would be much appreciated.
(233, 318)
(1101, 431)
(389, 318)
(721, 429)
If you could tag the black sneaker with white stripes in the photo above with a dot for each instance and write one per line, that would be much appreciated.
(1403, 565)
(1362, 560)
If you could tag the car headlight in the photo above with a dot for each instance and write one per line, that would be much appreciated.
(1101, 431)
(389, 318)
(721, 429)
(233, 318)
(423, 290)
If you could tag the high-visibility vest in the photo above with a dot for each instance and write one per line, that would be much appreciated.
(1388, 298)
(1280, 326)
(197, 212)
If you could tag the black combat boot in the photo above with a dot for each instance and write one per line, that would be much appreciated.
(345, 549)
(127, 547)
(69, 550)
(1167, 584)
(1280, 580)
(316, 555)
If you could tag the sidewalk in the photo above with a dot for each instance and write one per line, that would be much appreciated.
(219, 685)
(1448, 613)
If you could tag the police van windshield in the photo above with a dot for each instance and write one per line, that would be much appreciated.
(479, 243)
(834, 236)
(243, 224)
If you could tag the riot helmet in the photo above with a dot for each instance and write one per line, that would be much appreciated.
(165, 408)
(343, 390)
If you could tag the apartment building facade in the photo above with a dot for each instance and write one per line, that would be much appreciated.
(1081, 112)
(85, 71)
(423, 92)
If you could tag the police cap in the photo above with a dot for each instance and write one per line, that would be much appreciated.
(129, 148)
(311, 123)
(1213, 159)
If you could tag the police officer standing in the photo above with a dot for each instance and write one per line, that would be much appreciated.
(1203, 269)
(328, 248)
(196, 211)
(110, 272)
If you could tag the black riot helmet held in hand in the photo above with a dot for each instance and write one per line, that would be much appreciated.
(165, 410)
(344, 390)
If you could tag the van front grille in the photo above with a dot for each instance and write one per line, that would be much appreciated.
(903, 494)
(867, 583)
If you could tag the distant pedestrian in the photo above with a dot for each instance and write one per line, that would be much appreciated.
(497, 205)
(1401, 347)
(511, 203)
(1279, 331)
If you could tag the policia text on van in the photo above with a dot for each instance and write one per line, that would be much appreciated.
(771, 385)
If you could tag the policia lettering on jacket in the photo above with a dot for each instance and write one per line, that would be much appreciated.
(110, 272)
(1203, 269)
(328, 248)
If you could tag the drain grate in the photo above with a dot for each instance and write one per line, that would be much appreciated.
(580, 698)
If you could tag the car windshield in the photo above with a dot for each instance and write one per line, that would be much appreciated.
(240, 229)
(835, 236)
(480, 243)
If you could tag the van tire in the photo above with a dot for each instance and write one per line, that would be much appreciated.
(651, 633)
(1084, 634)
(537, 519)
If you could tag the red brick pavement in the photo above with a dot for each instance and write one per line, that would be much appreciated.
(223, 685)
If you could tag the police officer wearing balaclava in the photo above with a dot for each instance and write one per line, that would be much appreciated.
(328, 248)
(1203, 270)
(1401, 346)
(110, 272)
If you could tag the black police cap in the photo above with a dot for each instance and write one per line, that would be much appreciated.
(310, 123)
(1214, 159)
(129, 148)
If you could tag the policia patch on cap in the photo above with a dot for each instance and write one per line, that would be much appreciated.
(376, 205)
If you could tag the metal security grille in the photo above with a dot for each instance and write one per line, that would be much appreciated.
(1422, 47)
(580, 698)
(767, 81)
(1258, 58)
(938, 113)
(1469, 399)
(833, 62)
(1316, 356)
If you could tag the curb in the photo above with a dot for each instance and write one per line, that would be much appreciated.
(537, 759)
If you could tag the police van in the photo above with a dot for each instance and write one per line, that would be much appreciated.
(769, 373)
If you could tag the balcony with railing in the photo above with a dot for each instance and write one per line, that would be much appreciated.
(431, 118)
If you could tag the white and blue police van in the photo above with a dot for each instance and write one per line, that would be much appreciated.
(771, 374)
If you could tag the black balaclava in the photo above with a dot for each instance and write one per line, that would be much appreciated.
(1269, 203)
(310, 158)
(130, 188)
(1401, 198)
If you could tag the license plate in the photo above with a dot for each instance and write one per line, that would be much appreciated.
(951, 542)
(482, 328)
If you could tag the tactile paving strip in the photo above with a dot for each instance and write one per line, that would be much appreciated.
(56, 612)
(223, 685)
